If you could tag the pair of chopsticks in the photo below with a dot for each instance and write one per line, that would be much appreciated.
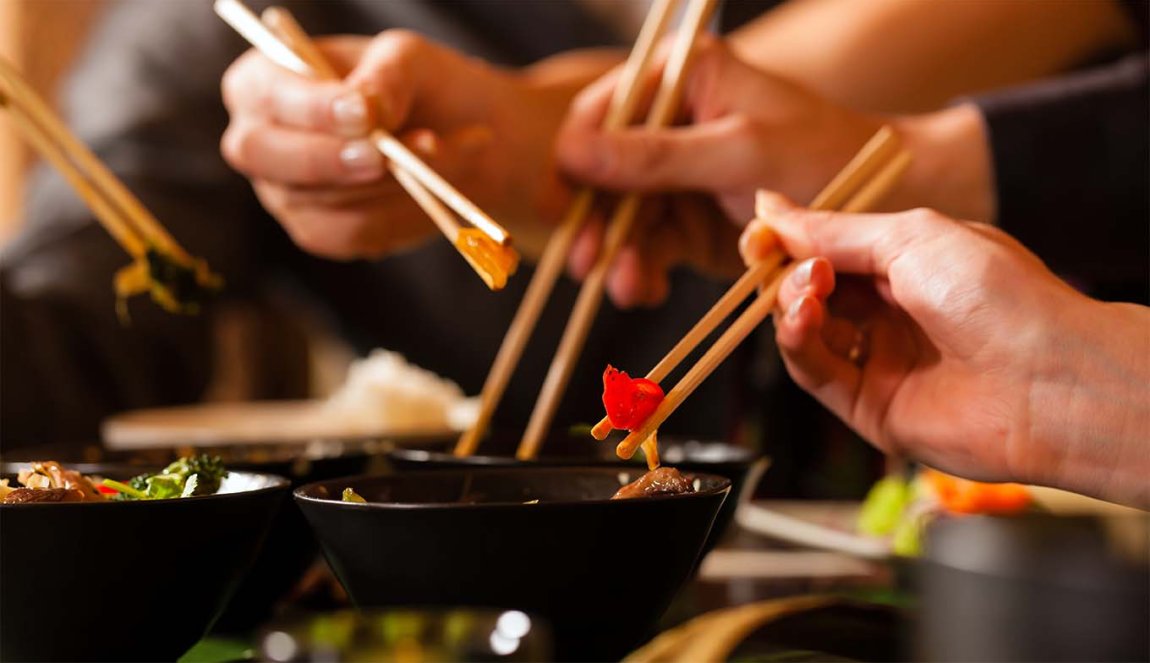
(627, 93)
(114, 206)
(869, 176)
(281, 39)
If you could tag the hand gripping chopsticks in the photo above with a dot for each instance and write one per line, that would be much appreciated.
(864, 181)
(160, 265)
(281, 39)
(619, 114)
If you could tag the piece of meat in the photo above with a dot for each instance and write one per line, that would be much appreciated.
(29, 495)
(661, 481)
(49, 474)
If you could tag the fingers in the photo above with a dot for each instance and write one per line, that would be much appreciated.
(710, 156)
(858, 243)
(270, 152)
(254, 87)
(829, 377)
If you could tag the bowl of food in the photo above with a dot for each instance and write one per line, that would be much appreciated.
(546, 541)
(688, 455)
(110, 563)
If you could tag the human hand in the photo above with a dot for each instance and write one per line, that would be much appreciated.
(951, 343)
(745, 130)
(303, 142)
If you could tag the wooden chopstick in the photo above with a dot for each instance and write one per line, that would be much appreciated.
(618, 231)
(758, 311)
(886, 163)
(121, 213)
(872, 158)
(283, 24)
(240, 18)
(871, 193)
(626, 95)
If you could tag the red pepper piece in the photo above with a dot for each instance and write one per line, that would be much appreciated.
(629, 401)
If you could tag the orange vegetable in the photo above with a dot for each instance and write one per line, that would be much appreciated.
(965, 496)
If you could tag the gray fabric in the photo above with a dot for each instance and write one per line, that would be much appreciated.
(146, 98)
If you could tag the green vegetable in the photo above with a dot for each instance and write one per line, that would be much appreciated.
(188, 476)
(350, 495)
(884, 505)
(907, 539)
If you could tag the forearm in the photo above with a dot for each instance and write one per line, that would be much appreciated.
(899, 56)
(951, 167)
(1090, 412)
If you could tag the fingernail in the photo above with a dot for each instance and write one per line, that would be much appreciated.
(801, 277)
(426, 143)
(795, 309)
(350, 113)
(361, 158)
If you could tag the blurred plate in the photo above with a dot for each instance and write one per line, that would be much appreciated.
(256, 422)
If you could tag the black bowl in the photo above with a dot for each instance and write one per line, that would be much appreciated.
(688, 455)
(600, 571)
(290, 547)
(122, 581)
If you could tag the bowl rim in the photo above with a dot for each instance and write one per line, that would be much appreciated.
(276, 483)
(723, 488)
(432, 458)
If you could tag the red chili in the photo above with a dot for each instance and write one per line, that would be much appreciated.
(629, 401)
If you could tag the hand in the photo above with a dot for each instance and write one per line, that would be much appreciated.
(302, 142)
(949, 342)
(745, 130)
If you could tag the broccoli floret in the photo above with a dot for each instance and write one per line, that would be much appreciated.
(209, 472)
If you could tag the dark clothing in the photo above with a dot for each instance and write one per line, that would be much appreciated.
(1072, 173)
(145, 97)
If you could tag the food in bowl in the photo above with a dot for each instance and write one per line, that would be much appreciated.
(49, 481)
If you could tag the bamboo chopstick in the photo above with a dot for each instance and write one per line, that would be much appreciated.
(240, 18)
(124, 216)
(623, 100)
(742, 327)
(619, 229)
(283, 24)
(881, 158)
(871, 159)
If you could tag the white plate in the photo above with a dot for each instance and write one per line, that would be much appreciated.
(257, 422)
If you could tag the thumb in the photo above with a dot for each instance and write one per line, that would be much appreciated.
(709, 156)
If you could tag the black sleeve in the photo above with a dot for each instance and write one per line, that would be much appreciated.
(146, 99)
(1072, 173)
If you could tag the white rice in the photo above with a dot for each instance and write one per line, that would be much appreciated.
(385, 392)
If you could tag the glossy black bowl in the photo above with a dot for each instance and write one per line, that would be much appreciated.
(290, 547)
(601, 572)
(688, 455)
(124, 581)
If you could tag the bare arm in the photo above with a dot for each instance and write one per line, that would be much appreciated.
(910, 56)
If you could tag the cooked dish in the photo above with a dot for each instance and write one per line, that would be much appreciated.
(48, 481)
(661, 481)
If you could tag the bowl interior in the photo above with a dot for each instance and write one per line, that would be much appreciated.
(488, 487)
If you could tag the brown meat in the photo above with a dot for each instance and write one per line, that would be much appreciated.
(661, 481)
(28, 495)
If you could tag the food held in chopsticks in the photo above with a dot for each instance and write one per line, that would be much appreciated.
(485, 245)
(629, 402)
(898, 508)
(493, 262)
(176, 281)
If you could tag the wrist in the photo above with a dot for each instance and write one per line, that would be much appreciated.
(1090, 408)
(951, 168)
